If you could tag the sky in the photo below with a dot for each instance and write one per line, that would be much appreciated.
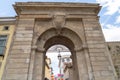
(109, 14)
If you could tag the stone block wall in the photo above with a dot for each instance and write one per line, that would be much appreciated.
(99, 57)
(19, 56)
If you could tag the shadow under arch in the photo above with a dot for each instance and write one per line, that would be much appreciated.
(59, 40)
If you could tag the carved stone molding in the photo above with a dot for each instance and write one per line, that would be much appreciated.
(59, 22)
(40, 50)
(84, 46)
(34, 47)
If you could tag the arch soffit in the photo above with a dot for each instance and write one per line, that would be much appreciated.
(51, 33)
(40, 33)
(59, 40)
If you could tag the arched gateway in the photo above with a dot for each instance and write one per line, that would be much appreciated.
(42, 25)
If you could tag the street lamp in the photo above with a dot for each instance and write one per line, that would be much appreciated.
(59, 58)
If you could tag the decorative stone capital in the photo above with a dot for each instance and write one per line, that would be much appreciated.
(34, 47)
(41, 50)
(78, 49)
(84, 46)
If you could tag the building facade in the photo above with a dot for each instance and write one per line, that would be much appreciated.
(39, 26)
(48, 68)
(7, 27)
(67, 67)
(114, 49)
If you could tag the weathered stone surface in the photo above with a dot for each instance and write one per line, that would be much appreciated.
(97, 54)
(100, 68)
(22, 43)
(95, 42)
(94, 38)
(96, 46)
(18, 66)
(96, 50)
(19, 71)
(99, 63)
(22, 47)
(19, 55)
(99, 58)
(17, 60)
(24, 35)
(16, 77)
(25, 32)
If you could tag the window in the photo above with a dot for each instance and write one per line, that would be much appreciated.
(6, 28)
(3, 39)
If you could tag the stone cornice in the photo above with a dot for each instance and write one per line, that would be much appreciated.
(7, 20)
(24, 6)
(56, 4)
(45, 17)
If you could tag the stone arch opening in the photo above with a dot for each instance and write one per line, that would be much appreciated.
(67, 38)
(58, 62)
(72, 37)
(61, 40)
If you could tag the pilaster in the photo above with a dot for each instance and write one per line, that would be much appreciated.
(82, 63)
(19, 56)
(99, 58)
(39, 65)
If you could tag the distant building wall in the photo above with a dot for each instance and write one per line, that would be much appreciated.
(48, 68)
(9, 33)
(114, 49)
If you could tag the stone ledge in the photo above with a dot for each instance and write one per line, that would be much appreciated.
(16, 77)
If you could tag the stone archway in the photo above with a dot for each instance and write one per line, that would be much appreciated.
(41, 25)
(70, 40)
